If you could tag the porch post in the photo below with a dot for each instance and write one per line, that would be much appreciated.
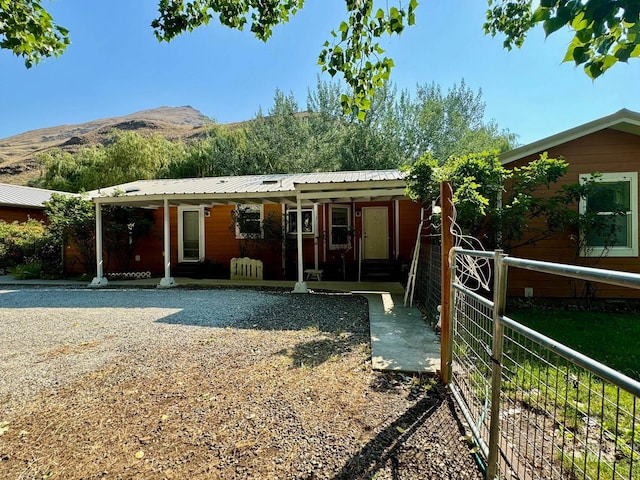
(99, 280)
(284, 240)
(167, 281)
(301, 286)
(324, 232)
(316, 226)
(396, 229)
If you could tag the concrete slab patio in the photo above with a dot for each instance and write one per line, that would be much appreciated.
(400, 339)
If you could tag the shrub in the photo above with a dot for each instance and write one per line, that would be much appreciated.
(20, 240)
(27, 271)
(28, 243)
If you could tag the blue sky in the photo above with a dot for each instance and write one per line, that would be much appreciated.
(115, 66)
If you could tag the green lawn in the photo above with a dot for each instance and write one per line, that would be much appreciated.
(610, 338)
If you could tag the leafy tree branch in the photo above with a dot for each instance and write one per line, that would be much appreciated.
(29, 31)
(605, 32)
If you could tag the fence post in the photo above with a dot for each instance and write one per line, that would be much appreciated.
(446, 339)
(499, 302)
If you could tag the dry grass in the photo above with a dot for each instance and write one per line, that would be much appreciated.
(239, 403)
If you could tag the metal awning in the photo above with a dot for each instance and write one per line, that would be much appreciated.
(288, 189)
(333, 187)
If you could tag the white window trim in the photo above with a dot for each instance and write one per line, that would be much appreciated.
(200, 210)
(260, 208)
(338, 246)
(631, 251)
(294, 212)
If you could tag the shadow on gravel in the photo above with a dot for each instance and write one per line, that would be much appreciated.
(423, 441)
(337, 323)
(218, 308)
(314, 353)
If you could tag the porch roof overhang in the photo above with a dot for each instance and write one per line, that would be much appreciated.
(334, 187)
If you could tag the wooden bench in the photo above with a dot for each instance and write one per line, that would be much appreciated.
(246, 268)
(313, 272)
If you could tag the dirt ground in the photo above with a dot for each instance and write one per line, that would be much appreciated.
(264, 398)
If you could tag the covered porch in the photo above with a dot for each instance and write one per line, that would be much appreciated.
(292, 193)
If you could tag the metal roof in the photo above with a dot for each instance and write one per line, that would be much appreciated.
(27, 197)
(273, 188)
(623, 120)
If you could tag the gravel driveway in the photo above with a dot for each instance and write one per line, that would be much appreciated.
(211, 384)
(51, 335)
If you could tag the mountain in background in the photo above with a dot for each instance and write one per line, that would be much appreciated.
(17, 153)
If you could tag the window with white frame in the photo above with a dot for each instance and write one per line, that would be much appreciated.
(190, 234)
(248, 220)
(339, 226)
(612, 201)
(307, 221)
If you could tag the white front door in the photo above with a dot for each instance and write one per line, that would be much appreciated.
(375, 233)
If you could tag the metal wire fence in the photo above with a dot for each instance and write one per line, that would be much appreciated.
(428, 277)
(538, 409)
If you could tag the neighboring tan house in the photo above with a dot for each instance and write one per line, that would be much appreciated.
(18, 204)
(609, 146)
(335, 222)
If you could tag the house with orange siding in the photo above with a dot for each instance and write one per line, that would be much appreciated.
(327, 225)
(609, 146)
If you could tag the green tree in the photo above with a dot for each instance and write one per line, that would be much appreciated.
(364, 148)
(132, 157)
(278, 141)
(527, 197)
(128, 157)
(123, 229)
(324, 101)
(605, 32)
(28, 30)
(321, 139)
(443, 124)
(497, 205)
(512, 208)
(402, 127)
(399, 129)
(71, 173)
(222, 152)
(72, 222)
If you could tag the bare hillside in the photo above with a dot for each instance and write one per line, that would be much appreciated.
(17, 153)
